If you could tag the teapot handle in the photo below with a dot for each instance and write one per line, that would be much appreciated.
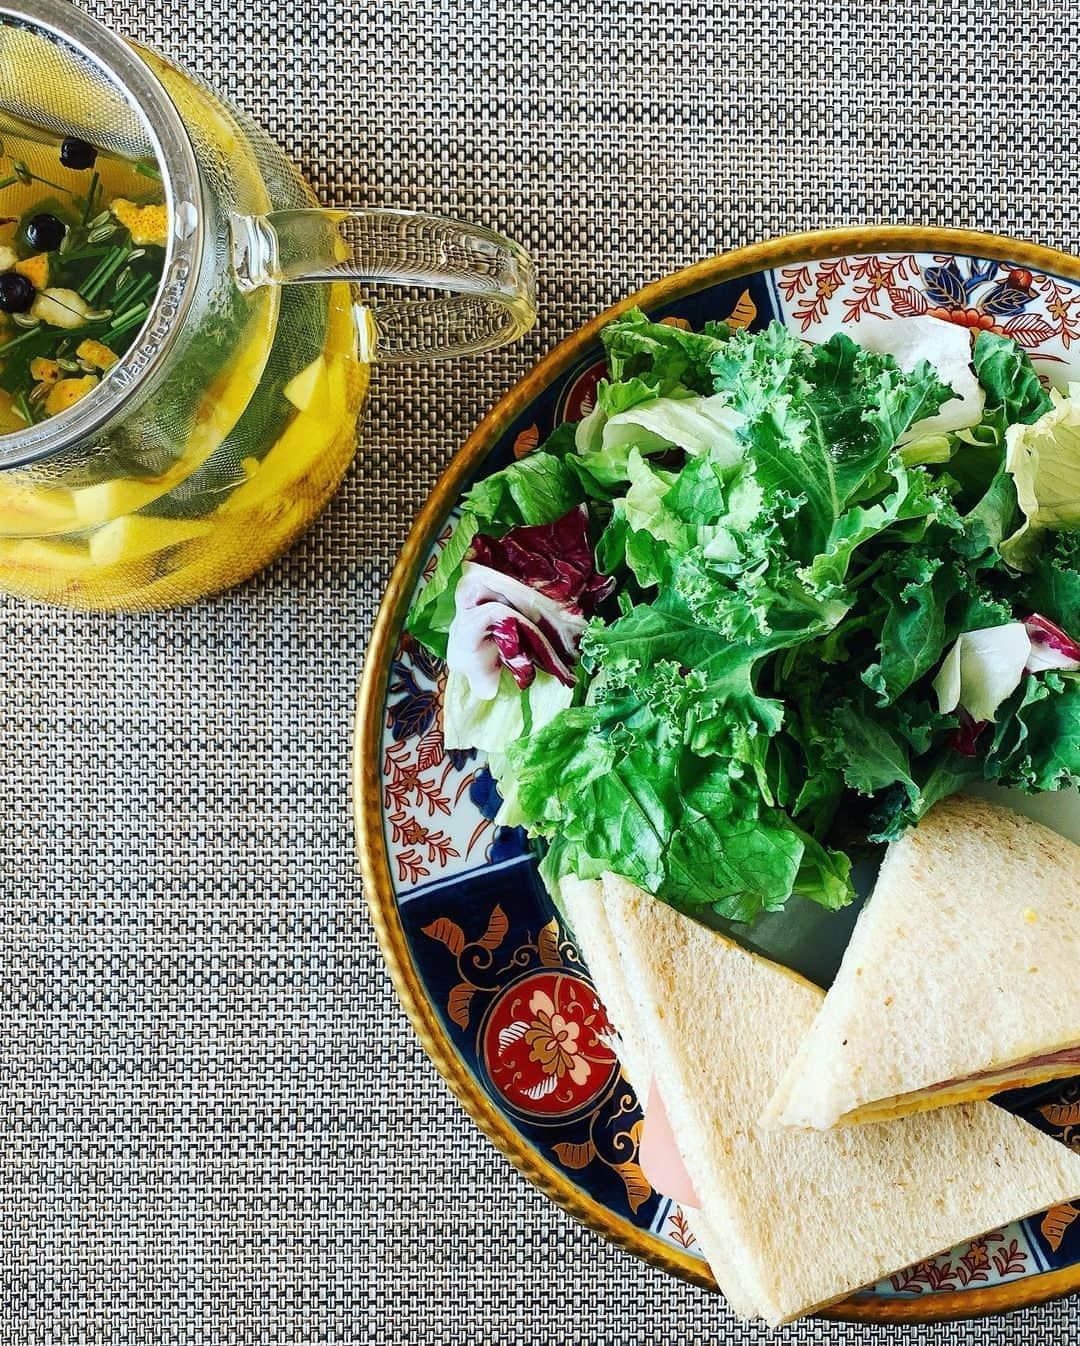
(491, 282)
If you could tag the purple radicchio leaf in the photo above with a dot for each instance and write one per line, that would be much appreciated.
(556, 558)
(1051, 647)
(501, 622)
(522, 601)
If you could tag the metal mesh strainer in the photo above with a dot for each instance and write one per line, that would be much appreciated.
(63, 75)
(49, 88)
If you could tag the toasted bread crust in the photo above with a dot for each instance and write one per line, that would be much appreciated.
(963, 963)
(582, 900)
(813, 1216)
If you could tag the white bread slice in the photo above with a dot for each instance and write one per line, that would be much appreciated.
(815, 1215)
(963, 964)
(582, 901)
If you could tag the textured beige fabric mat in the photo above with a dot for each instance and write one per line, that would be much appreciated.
(216, 1125)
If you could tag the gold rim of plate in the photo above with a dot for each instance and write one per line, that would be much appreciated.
(367, 780)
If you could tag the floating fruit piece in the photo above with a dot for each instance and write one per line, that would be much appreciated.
(59, 307)
(9, 258)
(146, 224)
(77, 154)
(94, 353)
(43, 370)
(337, 392)
(135, 536)
(111, 499)
(16, 293)
(62, 571)
(322, 438)
(67, 392)
(48, 557)
(36, 269)
(10, 420)
(45, 232)
(31, 511)
(302, 388)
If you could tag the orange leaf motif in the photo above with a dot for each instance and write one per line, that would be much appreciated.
(1055, 1222)
(1062, 1114)
(744, 312)
(429, 751)
(446, 932)
(572, 1155)
(638, 1188)
(526, 441)
(907, 301)
(547, 945)
(494, 935)
(1028, 329)
(675, 322)
(680, 1231)
(457, 1005)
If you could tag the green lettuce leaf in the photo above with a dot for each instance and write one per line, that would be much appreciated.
(433, 609)
(930, 600)
(615, 786)
(471, 722)
(873, 756)
(908, 499)
(740, 859)
(1036, 743)
(1043, 459)
(943, 774)
(822, 425)
(1053, 588)
(992, 519)
(1009, 379)
(666, 357)
(697, 425)
(917, 589)
(539, 488)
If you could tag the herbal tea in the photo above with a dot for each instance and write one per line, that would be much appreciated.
(250, 431)
(183, 357)
(81, 251)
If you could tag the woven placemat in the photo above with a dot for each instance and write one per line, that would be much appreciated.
(216, 1125)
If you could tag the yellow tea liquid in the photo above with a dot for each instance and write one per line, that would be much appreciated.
(276, 385)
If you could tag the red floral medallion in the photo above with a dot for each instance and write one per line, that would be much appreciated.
(546, 1045)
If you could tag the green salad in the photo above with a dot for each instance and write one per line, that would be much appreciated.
(766, 604)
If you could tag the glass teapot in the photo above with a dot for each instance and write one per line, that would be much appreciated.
(178, 399)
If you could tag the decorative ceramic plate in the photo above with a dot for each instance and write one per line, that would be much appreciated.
(496, 989)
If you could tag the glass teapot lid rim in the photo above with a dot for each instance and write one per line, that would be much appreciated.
(60, 21)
